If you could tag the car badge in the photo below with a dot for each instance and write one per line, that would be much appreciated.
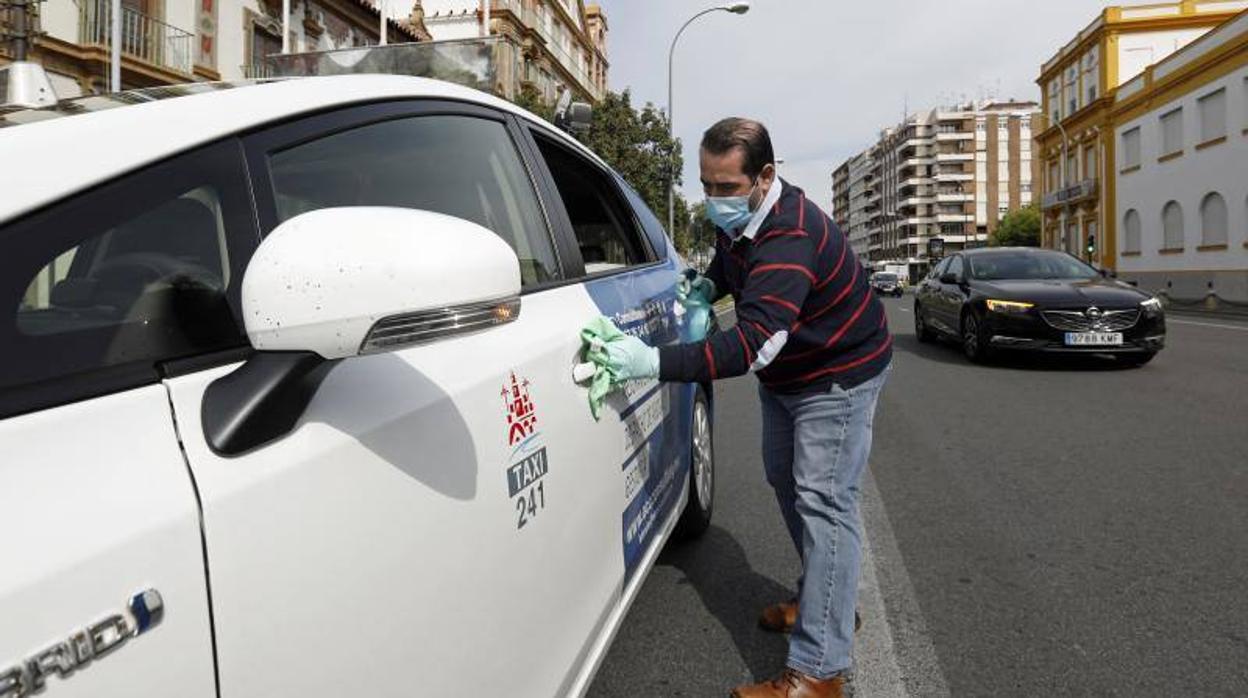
(82, 647)
(1094, 313)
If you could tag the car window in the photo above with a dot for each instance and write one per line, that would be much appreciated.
(605, 229)
(955, 267)
(939, 269)
(1029, 265)
(457, 165)
(142, 270)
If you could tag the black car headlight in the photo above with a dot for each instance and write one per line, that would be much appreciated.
(1152, 306)
(1008, 307)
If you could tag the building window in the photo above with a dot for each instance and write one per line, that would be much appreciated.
(1172, 226)
(1172, 131)
(1131, 231)
(1089, 163)
(1131, 148)
(1212, 115)
(1090, 76)
(1054, 177)
(1213, 220)
(1071, 91)
(1072, 167)
(1055, 100)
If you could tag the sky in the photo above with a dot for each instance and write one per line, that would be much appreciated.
(826, 76)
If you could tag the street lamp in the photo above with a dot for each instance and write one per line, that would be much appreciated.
(1061, 170)
(736, 8)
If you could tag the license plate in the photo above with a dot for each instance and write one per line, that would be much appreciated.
(1093, 339)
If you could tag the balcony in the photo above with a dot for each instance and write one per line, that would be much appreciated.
(955, 157)
(955, 136)
(954, 197)
(575, 67)
(954, 176)
(143, 38)
(1074, 194)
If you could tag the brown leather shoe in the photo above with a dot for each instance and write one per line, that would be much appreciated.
(794, 684)
(781, 617)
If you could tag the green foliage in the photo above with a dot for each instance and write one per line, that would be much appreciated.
(1020, 228)
(636, 143)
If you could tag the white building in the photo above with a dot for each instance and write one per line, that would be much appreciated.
(1182, 166)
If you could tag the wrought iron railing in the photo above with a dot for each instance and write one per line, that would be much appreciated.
(142, 37)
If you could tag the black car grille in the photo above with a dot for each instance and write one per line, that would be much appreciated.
(1081, 321)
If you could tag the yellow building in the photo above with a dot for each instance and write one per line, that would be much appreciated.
(1079, 85)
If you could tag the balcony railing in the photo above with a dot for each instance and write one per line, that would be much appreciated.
(142, 37)
(1075, 193)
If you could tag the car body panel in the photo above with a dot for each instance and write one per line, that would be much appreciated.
(95, 506)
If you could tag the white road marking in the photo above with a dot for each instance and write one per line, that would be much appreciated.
(1241, 328)
(903, 308)
(893, 654)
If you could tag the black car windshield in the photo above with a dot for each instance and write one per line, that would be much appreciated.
(882, 276)
(1032, 264)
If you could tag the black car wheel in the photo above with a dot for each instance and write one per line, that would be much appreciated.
(697, 515)
(974, 343)
(920, 325)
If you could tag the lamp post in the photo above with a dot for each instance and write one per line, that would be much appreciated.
(737, 8)
(1061, 170)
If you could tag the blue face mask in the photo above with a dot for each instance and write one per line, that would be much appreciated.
(730, 213)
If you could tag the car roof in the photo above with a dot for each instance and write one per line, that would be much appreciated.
(80, 143)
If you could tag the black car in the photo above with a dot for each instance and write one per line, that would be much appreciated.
(1019, 298)
(886, 283)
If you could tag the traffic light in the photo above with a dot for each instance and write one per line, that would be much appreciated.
(1091, 244)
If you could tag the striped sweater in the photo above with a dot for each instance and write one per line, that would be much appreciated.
(806, 316)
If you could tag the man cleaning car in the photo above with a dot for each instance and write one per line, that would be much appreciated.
(811, 329)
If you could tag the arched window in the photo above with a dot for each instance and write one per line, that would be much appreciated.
(1131, 231)
(1172, 226)
(1213, 220)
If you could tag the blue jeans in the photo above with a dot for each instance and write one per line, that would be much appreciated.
(815, 448)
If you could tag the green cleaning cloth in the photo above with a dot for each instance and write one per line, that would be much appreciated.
(595, 336)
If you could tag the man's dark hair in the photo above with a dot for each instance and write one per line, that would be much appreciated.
(748, 135)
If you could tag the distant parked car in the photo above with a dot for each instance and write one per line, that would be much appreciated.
(886, 283)
(1036, 300)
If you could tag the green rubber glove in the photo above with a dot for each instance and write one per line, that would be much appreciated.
(699, 290)
(617, 358)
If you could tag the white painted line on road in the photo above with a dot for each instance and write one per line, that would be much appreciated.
(895, 656)
(1241, 328)
(903, 308)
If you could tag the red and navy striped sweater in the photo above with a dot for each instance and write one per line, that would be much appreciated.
(797, 276)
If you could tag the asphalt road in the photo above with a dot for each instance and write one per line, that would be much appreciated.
(1035, 528)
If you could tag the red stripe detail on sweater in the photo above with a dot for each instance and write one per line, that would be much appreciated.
(839, 297)
(842, 367)
(801, 210)
(782, 303)
(824, 241)
(763, 268)
(749, 355)
(760, 328)
(781, 234)
(836, 337)
(710, 359)
(837, 270)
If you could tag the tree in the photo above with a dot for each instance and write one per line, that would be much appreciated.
(1018, 228)
(635, 143)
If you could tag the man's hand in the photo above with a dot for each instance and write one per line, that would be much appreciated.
(696, 291)
(629, 358)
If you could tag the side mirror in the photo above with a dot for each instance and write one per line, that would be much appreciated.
(1108, 273)
(947, 278)
(345, 281)
(339, 282)
(576, 118)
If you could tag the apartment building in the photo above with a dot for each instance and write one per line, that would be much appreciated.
(949, 174)
(166, 42)
(1079, 85)
(563, 43)
(1181, 163)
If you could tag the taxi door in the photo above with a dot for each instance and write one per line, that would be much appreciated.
(436, 522)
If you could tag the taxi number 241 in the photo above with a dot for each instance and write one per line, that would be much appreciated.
(528, 505)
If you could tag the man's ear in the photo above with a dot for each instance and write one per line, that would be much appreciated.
(768, 174)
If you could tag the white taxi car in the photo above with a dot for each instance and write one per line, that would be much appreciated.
(287, 404)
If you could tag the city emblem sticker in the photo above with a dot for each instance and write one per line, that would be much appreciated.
(527, 464)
